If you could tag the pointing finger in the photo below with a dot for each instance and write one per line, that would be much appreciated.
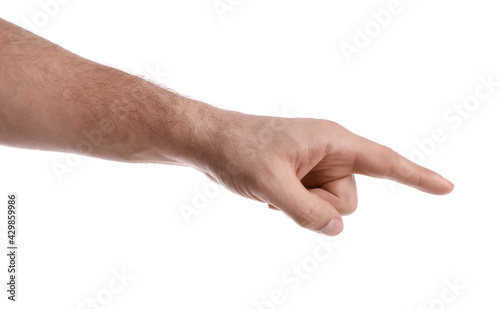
(375, 160)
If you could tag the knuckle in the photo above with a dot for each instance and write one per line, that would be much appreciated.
(349, 205)
(398, 168)
(319, 125)
(419, 180)
(390, 153)
(328, 125)
(394, 160)
(307, 218)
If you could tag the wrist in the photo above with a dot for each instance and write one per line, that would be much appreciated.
(199, 136)
(183, 132)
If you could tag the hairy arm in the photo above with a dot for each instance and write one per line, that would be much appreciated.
(52, 99)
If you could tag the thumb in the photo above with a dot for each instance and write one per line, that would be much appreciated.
(308, 208)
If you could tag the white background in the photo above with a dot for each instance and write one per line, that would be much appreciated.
(401, 249)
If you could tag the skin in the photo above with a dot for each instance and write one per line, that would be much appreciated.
(52, 99)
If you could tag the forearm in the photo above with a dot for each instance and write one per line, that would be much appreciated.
(52, 99)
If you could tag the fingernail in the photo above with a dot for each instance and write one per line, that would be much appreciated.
(330, 228)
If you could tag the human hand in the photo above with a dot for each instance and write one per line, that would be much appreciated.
(305, 167)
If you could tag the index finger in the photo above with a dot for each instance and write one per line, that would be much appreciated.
(373, 159)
